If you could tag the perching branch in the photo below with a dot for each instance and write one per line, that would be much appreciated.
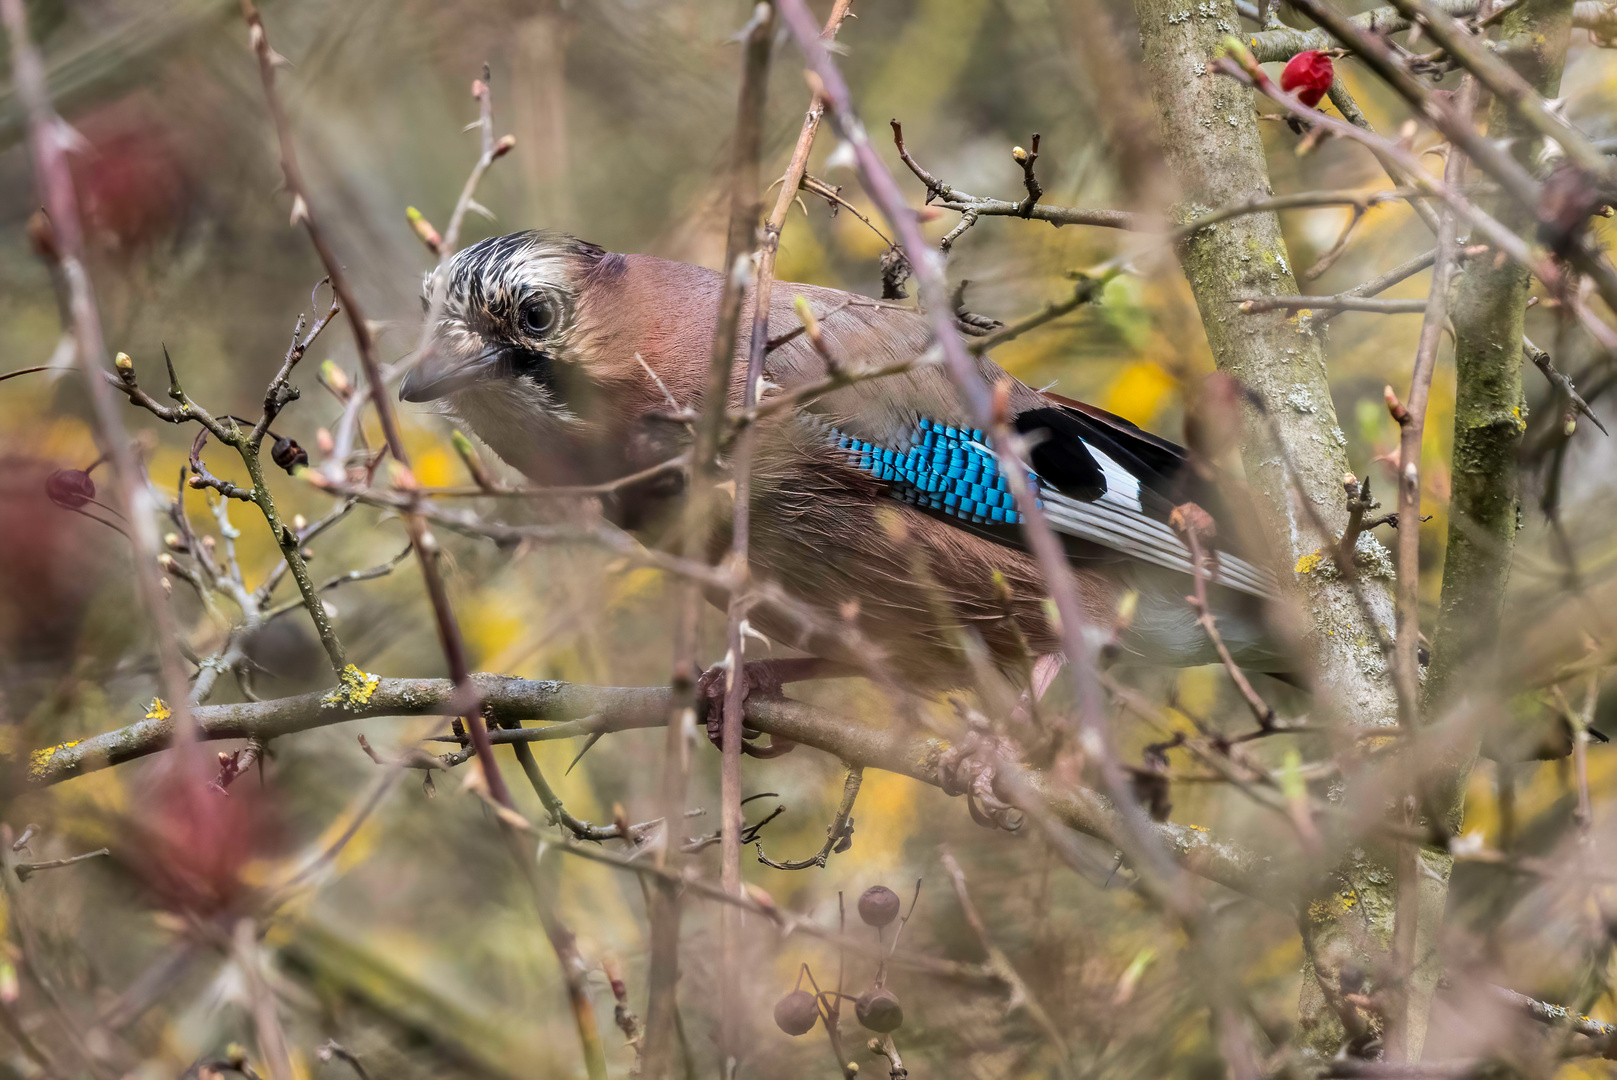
(612, 709)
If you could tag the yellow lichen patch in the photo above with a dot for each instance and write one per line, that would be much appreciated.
(356, 689)
(1308, 563)
(39, 762)
(158, 710)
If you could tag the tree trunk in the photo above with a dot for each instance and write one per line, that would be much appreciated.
(1490, 304)
(1212, 145)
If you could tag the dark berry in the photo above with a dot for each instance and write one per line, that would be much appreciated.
(878, 1010)
(878, 905)
(288, 454)
(797, 1012)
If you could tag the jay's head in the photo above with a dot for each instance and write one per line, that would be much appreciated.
(508, 322)
(553, 350)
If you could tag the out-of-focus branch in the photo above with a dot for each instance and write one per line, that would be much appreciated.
(1021, 996)
(1421, 893)
(1253, 305)
(53, 183)
(979, 400)
(699, 523)
(757, 343)
(1279, 44)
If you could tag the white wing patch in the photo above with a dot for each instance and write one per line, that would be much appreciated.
(1118, 521)
(1122, 486)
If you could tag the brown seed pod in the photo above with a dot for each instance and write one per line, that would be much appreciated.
(288, 454)
(878, 1009)
(878, 905)
(70, 488)
(797, 1013)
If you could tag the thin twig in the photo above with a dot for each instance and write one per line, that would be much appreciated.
(838, 836)
(979, 401)
(421, 540)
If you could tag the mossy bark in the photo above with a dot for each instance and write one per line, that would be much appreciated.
(1213, 148)
(1489, 306)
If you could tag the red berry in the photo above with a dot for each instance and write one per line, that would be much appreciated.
(70, 488)
(1308, 75)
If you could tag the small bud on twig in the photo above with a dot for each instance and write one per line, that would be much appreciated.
(504, 146)
(42, 237)
(424, 229)
(1399, 413)
(335, 380)
(125, 366)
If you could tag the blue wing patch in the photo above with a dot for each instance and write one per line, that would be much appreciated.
(952, 470)
(944, 468)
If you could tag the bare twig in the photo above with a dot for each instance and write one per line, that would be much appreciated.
(1195, 526)
(1021, 996)
(421, 539)
(54, 185)
(979, 400)
(838, 836)
(27, 870)
(1576, 406)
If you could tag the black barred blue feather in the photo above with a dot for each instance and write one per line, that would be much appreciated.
(1085, 490)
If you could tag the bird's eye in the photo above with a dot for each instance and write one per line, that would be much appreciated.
(537, 316)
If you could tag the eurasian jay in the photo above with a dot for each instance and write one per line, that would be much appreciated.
(876, 506)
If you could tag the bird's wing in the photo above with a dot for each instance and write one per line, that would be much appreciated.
(1100, 479)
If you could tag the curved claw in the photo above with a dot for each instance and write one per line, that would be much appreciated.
(969, 768)
(712, 688)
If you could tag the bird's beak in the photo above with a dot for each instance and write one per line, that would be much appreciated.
(440, 373)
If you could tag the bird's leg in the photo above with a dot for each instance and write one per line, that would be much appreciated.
(760, 678)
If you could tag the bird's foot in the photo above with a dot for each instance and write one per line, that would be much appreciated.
(760, 678)
(969, 768)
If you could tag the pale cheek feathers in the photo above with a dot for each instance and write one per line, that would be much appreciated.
(519, 421)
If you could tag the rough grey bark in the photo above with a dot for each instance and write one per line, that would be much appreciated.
(1212, 144)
